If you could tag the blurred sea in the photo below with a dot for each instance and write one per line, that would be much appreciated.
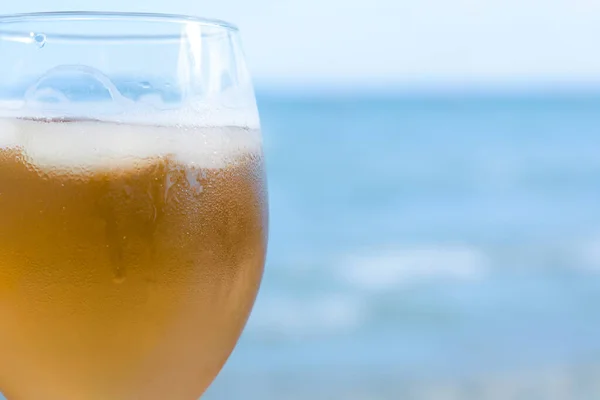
(427, 247)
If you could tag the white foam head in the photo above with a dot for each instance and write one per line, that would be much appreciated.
(92, 145)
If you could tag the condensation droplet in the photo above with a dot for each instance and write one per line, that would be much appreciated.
(119, 277)
(40, 40)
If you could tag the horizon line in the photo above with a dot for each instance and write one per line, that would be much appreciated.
(580, 88)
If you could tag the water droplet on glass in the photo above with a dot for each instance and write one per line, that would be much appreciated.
(119, 277)
(40, 40)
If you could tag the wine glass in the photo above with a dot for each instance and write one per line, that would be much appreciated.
(133, 204)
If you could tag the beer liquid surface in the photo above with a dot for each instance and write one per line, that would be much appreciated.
(130, 257)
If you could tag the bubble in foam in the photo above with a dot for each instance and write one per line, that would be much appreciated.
(9, 133)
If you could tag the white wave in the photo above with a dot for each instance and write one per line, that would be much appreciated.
(587, 254)
(300, 317)
(544, 382)
(387, 268)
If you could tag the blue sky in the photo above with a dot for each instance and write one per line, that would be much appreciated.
(418, 42)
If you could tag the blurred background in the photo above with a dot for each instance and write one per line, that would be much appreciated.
(434, 177)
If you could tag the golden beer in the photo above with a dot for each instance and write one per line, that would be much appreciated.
(130, 256)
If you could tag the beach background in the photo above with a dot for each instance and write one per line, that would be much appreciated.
(434, 186)
(427, 247)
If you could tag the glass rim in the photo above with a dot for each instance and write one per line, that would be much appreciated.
(108, 16)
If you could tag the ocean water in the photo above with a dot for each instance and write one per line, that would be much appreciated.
(427, 247)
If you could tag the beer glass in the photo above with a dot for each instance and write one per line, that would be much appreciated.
(133, 209)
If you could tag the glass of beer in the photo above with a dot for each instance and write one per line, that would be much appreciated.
(133, 206)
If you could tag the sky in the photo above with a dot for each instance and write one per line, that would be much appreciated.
(396, 42)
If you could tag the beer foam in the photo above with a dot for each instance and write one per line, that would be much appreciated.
(194, 114)
(92, 145)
